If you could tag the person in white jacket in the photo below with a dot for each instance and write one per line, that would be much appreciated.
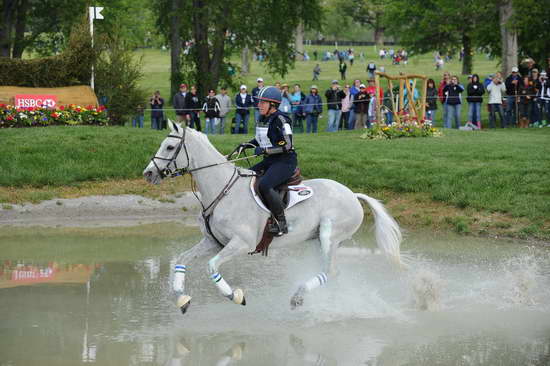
(496, 89)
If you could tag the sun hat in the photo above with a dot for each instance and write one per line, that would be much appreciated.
(334, 82)
(362, 86)
(259, 79)
(515, 69)
(242, 87)
(313, 87)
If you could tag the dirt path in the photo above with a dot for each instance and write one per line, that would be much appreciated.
(102, 211)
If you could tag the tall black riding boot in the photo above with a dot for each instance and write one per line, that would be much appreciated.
(275, 204)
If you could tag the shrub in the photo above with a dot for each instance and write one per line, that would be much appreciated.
(405, 128)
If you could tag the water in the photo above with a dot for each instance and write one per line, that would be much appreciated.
(73, 296)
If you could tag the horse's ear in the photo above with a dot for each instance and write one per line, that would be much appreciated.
(174, 126)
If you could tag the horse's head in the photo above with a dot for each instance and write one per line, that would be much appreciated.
(171, 158)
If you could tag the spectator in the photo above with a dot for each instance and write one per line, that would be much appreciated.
(535, 110)
(243, 101)
(439, 63)
(388, 107)
(157, 114)
(512, 86)
(137, 121)
(453, 101)
(526, 93)
(297, 100)
(334, 105)
(285, 106)
(316, 72)
(371, 68)
(382, 53)
(179, 103)
(225, 107)
(371, 89)
(211, 108)
(361, 105)
(278, 85)
(416, 96)
(444, 82)
(342, 68)
(347, 104)
(351, 57)
(353, 90)
(488, 80)
(315, 55)
(371, 118)
(313, 107)
(496, 90)
(475, 91)
(431, 101)
(194, 105)
(544, 97)
(255, 91)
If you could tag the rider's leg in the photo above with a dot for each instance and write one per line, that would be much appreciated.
(275, 175)
(328, 250)
(235, 247)
(181, 266)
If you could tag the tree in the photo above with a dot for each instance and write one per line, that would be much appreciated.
(215, 30)
(442, 25)
(368, 13)
(509, 37)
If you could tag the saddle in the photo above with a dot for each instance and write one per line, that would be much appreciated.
(283, 189)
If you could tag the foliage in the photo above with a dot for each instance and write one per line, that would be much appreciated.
(532, 19)
(117, 79)
(406, 128)
(10, 116)
(369, 13)
(220, 29)
(72, 67)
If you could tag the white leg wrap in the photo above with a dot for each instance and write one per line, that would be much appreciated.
(179, 278)
(316, 281)
(224, 288)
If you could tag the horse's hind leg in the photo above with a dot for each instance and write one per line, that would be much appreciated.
(328, 248)
(178, 283)
(235, 247)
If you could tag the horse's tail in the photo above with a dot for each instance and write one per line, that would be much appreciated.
(387, 233)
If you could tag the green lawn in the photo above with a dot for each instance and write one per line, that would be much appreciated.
(497, 171)
(156, 68)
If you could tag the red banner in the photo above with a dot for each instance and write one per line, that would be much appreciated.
(35, 101)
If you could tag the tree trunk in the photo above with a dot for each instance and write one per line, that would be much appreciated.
(379, 36)
(299, 42)
(509, 37)
(175, 47)
(245, 61)
(20, 25)
(6, 26)
(468, 57)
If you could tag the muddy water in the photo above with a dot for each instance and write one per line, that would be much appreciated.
(101, 296)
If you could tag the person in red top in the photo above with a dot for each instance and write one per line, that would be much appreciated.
(371, 89)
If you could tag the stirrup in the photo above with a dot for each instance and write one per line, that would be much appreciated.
(278, 227)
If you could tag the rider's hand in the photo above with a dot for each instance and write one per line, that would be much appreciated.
(259, 150)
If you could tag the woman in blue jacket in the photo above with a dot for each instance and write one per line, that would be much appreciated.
(313, 107)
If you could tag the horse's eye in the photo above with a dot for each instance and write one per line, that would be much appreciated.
(170, 147)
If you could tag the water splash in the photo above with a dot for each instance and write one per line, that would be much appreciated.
(426, 286)
(522, 276)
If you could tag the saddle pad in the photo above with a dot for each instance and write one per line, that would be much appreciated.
(296, 194)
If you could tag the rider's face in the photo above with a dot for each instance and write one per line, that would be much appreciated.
(264, 107)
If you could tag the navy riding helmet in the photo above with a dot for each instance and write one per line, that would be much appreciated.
(270, 94)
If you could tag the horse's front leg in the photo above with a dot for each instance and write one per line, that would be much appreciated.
(178, 284)
(235, 247)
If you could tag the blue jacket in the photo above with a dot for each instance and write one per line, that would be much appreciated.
(297, 101)
(243, 108)
(255, 100)
(313, 104)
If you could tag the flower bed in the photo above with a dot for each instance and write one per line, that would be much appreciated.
(10, 116)
(401, 129)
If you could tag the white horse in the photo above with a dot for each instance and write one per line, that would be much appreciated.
(233, 223)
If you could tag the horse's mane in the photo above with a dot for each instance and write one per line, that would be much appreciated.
(205, 141)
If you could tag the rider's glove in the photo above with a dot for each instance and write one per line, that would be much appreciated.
(259, 150)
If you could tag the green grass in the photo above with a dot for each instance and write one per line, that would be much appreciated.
(156, 68)
(496, 171)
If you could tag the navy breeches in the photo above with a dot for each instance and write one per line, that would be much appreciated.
(275, 173)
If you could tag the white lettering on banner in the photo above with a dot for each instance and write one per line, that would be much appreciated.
(35, 101)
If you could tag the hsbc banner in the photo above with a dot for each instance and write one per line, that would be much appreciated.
(35, 101)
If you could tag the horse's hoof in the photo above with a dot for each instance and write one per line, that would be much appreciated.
(183, 303)
(238, 297)
(298, 299)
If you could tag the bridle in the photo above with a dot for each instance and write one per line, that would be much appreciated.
(167, 172)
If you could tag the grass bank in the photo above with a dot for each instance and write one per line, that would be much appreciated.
(497, 175)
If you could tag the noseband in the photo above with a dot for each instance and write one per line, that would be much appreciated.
(167, 171)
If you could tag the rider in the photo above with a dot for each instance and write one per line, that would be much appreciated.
(274, 141)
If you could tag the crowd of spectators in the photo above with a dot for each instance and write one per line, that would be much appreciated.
(520, 99)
